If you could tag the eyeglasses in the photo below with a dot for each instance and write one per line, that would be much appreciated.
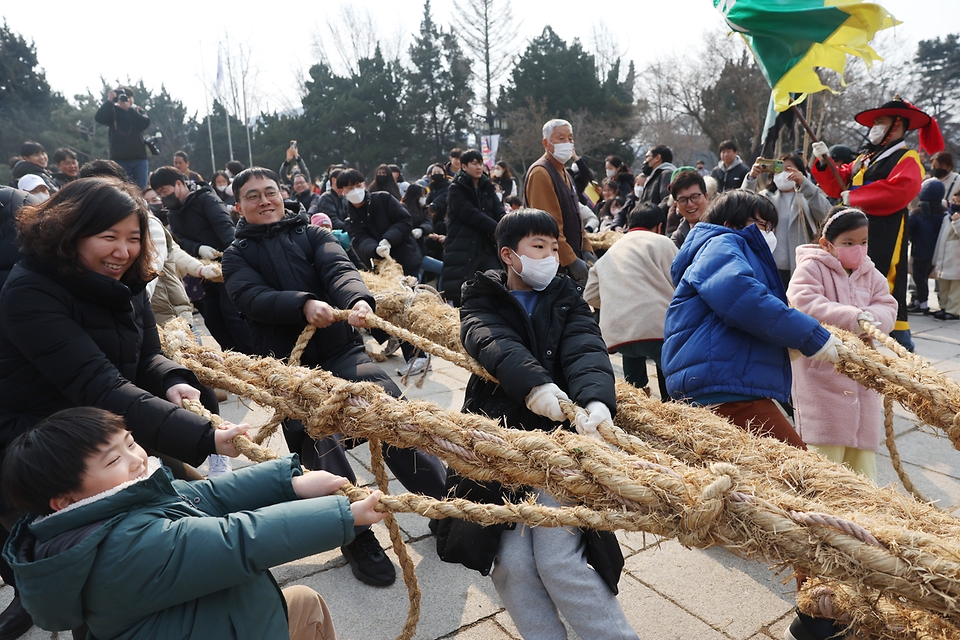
(693, 199)
(254, 196)
(763, 224)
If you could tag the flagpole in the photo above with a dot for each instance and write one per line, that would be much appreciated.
(206, 99)
(226, 112)
(830, 163)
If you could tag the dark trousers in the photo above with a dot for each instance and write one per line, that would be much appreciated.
(921, 277)
(635, 357)
(224, 322)
(417, 471)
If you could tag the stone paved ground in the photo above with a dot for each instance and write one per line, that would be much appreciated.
(668, 591)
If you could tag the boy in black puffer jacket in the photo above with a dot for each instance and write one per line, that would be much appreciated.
(284, 273)
(535, 334)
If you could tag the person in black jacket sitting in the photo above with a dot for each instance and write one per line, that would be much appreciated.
(379, 227)
(201, 223)
(284, 273)
(11, 201)
(305, 195)
(76, 329)
(472, 215)
(331, 202)
(535, 333)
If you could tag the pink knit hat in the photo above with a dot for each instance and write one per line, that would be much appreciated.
(321, 220)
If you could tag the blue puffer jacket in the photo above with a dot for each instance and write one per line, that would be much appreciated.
(728, 326)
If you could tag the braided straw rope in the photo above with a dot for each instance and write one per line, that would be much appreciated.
(713, 504)
(871, 614)
(259, 454)
(604, 239)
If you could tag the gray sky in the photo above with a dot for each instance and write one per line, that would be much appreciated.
(77, 44)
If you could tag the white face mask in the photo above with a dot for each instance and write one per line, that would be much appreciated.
(771, 238)
(41, 196)
(563, 151)
(783, 182)
(537, 273)
(357, 196)
(877, 131)
(423, 201)
(638, 191)
(611, 173)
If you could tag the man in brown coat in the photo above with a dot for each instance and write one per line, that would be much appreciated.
(550, 187)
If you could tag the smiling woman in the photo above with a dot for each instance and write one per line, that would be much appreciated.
(76, 327)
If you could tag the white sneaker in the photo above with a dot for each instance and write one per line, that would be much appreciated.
(413, 367)
(219, 465)
(391, 347)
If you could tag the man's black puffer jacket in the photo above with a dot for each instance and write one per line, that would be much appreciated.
(472, 217)
(270, 275)
(382, 217)
(202, 219)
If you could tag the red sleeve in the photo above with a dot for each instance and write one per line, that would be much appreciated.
(893, 193)
(827, 182)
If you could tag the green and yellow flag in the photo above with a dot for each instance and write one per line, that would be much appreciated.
(790, 38)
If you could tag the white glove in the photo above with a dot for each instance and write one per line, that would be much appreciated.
(417, 233)
(545, 401)
(210, 271)
(869, 317)
(828, 352)
(820, 150)
(207, 253)
(845, 196)
(383, 249)
(587, 424)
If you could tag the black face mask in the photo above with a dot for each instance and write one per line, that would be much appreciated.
(437, 179)
(156, 208)
(646, 169)
(171, 201)
(939, 172)
(381, 180)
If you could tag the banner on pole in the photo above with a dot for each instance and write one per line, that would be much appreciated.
(489, 145)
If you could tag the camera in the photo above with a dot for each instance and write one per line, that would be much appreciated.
(153, 143)
(121, 95)
(770, 166)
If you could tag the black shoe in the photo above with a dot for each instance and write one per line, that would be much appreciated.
(14, 621)
(433, 524)
(806, 627)
(949, 316)
(915, 308)
(368, 561)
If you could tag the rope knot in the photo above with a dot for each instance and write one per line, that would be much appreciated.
(699, 521)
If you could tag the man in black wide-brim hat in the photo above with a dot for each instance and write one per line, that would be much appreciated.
(882, 181)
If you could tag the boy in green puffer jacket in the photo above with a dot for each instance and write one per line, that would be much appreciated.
(111, 540)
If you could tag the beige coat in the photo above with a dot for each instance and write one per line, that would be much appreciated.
(946, 257)
(169, 298)
(632, 281)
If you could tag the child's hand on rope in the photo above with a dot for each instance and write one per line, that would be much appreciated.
(828, 352)
(313, 484)
(587, 424)
(319, 314)
(358, 317)
(363, 511)
(545, 401)
(224, 435)
(868, 317)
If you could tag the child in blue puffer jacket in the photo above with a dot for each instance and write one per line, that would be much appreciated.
(728, 328)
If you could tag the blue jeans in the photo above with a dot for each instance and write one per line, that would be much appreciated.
(137, 170)
(432, 265)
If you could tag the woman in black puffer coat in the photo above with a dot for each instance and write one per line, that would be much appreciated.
(472, 216)
(76, 327)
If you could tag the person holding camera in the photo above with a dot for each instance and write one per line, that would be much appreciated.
(127, 122)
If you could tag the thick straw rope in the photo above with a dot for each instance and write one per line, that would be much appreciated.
(604, 239)
(871, 614)
(258, 454)
(699, 506)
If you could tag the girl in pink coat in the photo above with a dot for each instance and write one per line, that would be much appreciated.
(836, 283)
